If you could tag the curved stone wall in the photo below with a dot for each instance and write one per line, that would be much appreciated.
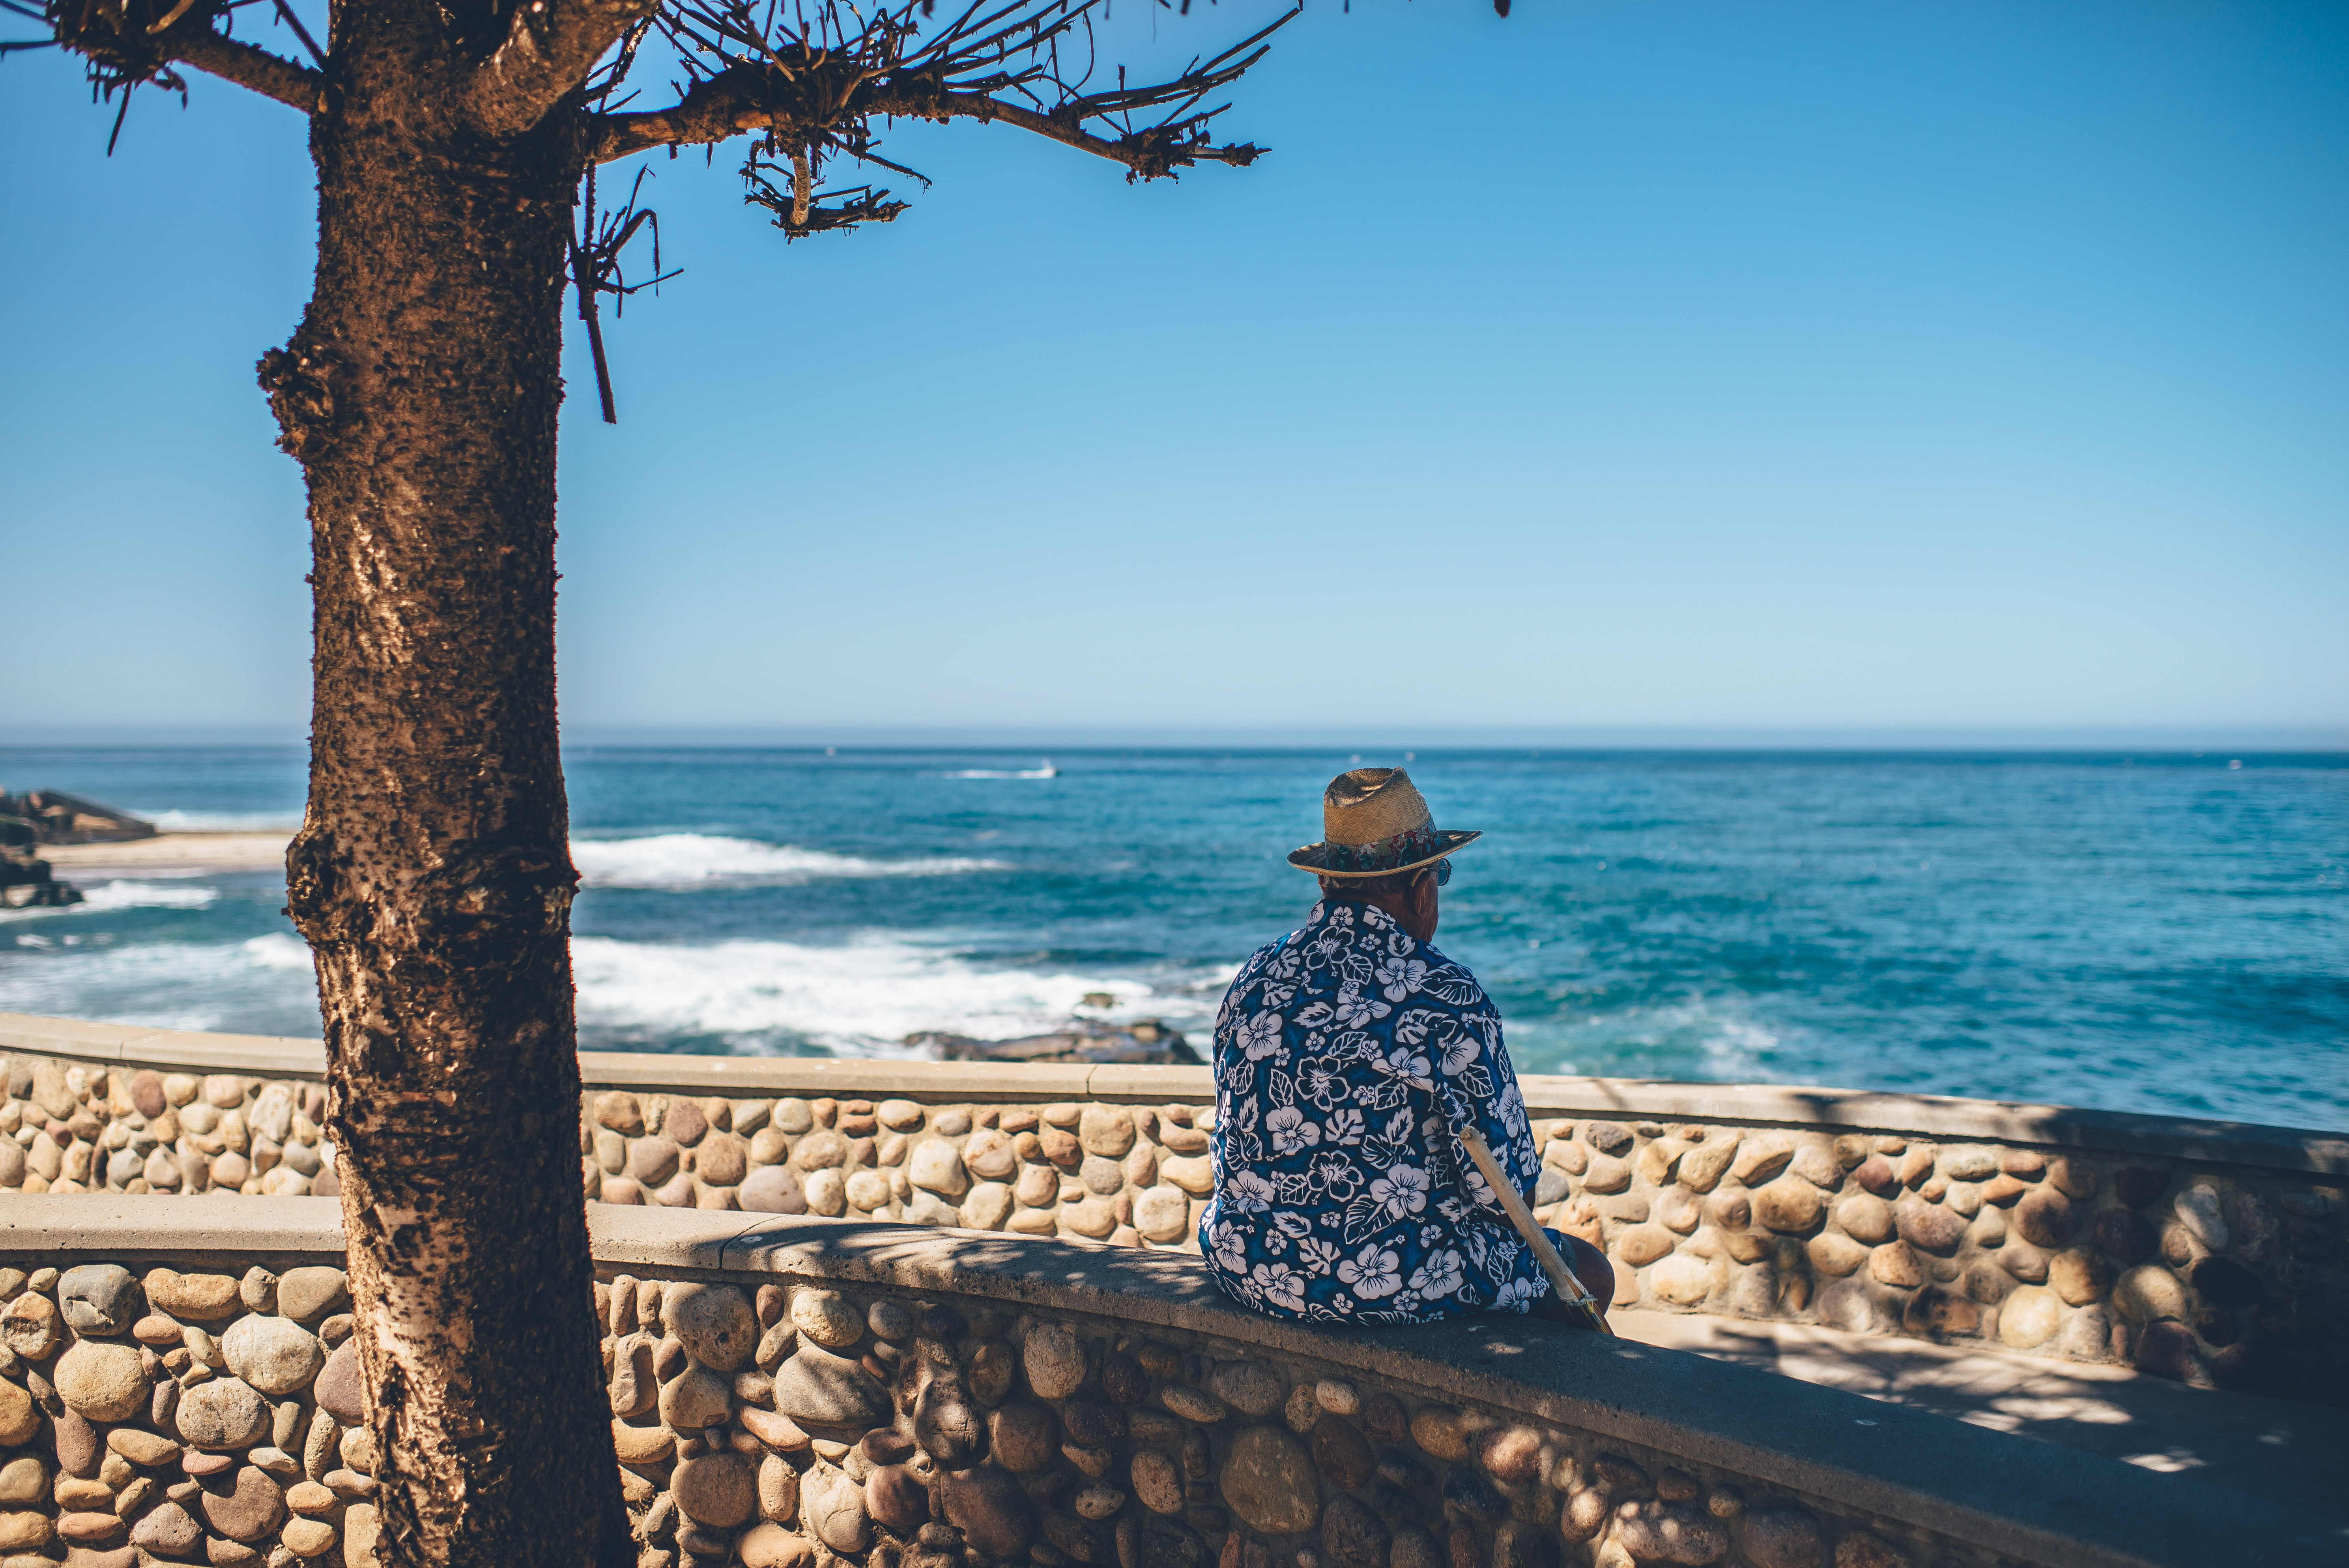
(809, 1393)
(2205, 1251)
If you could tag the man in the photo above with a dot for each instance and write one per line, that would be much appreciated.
(1348, 1055)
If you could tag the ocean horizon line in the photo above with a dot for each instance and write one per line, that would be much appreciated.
(1079, 739)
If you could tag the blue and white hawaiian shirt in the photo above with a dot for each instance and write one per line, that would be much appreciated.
(1346, 1055)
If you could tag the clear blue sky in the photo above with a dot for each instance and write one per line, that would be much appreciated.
(1688, 363)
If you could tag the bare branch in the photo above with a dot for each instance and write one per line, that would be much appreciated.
(295, 85)
(132, 43)
(806, 98)
(549, 52)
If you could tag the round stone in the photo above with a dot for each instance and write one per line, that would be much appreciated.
(990, 1156)
(30, 1326)
(1671, 1532)
(817, 1387)
(828, 1193)
(896, 1496)
(98, 1298)
(714, 1321)
(167, 1531)
(934, 1166)
(821, 1150)
(275, 1354)
(248, 1509)
(1866, 1218)
(307, 1294)
(339, 1388)
(618, 1110)
(1157, 1483)
(1106, 1130)
(992, 1510)
(2149, 1292)
(1021, 1438)
(770, 1545)
(1268, 1480)
(1780, 1538)
(223, 1413)
(652, 1160)
(833, 1506)
(2044, 1218)
(684, 1123)
(722, 1160)
(102, 1381)
(1927, 1226)
(771, 1190)
(1341, 1453)
(1643, 1244)
(1249, 1386)
(719, 1489)
(988, 1205)
(142, 1448)
(1834, 1255)
(1789, 1205)
(1511, 1455)
(307, 1538)
(778, 1489)
(2028, 1316)
(827, 1317)
(1682, 1280)
(1352, 1535)
(1054, 1360)
(699, 1399)
(868, 1189)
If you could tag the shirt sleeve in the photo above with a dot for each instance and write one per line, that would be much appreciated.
(1478, 1088)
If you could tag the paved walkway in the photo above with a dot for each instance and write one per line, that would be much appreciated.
(2274, 1449)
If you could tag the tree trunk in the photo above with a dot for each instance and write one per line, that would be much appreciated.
(432, 875)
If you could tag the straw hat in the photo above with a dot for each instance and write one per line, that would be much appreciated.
(1374, 822)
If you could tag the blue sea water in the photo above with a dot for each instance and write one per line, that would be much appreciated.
(2138, 933)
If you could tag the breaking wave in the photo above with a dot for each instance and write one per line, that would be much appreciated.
(700, 860)
(859, 998)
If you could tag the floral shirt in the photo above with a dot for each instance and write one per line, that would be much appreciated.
(1346, 1054)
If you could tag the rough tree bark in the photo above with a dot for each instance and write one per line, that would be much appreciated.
(432, 875)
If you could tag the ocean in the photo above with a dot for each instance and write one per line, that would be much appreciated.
(2155, 932)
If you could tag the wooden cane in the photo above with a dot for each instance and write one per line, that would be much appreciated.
(1561, 1278)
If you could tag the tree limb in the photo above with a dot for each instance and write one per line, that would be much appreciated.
(735, 102)
(247, 65)
(549, 51)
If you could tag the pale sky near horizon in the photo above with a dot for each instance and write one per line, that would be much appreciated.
(1814, 365)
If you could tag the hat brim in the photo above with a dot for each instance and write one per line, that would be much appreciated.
(1312, 857)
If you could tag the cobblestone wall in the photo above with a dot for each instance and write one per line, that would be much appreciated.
(214, 1414)
(2204, 1271)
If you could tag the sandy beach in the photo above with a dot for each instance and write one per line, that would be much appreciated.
(170, 855)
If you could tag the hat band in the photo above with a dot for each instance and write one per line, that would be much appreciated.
(1385, 854)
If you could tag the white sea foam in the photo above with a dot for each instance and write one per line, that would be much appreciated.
(146, 895)
(1047, 771)
(142, 895)
(859, 998)
(701, 860)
